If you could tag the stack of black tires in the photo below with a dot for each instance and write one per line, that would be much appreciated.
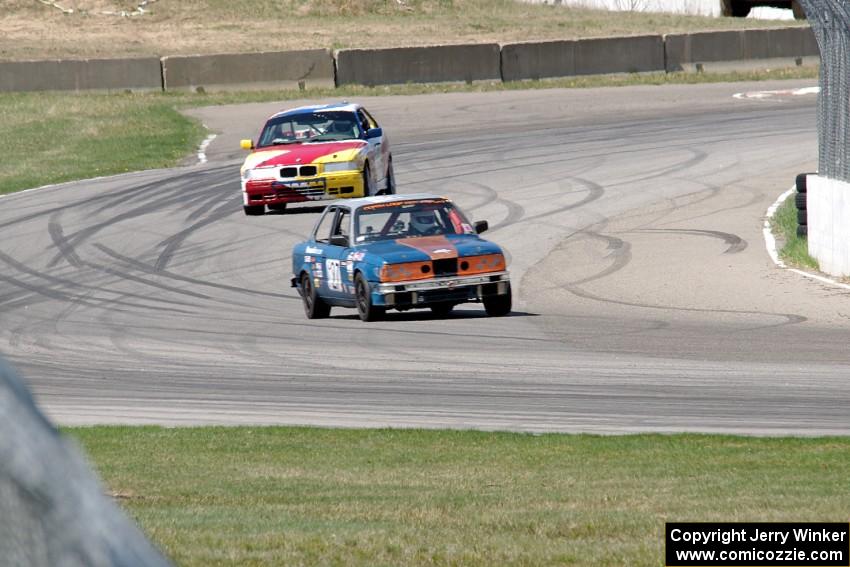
(800, 201)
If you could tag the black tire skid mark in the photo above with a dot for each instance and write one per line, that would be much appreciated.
(622, 256)
(621, 262)
(173, 243)
(735, 243)
(790, 318)
(573, 135)
(54, 229)
(176, 195)
(594, 191)
(146, 268)
(51, 294)
(515, 211)
(619, 251)
(32, 290)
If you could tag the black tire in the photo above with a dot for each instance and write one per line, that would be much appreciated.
(254, 210)
(800, 201)
(803, 231)
(390, 190)
(801, 182)
(797, 8)
(363, 298)
(368, 187)
(802, 217)
(314, 306)
(498, 305)
(735, 8)
(442, 309)
(278, 207)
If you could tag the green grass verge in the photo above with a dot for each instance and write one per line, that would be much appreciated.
(794, 249)
(302, 496)
(51, 138)
(55, 137)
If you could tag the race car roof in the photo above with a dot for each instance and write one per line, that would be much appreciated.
(378, 199)
(338, 106)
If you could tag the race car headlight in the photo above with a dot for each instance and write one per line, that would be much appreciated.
(341, 166)
(257, 173)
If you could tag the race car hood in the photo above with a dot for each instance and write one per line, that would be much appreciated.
(292, 154)
(423, 248)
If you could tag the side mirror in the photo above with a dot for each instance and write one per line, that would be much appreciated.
(374, 133)
(481, 226)
(339, 240)
(246, 144)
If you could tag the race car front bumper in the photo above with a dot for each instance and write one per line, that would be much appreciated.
(458, 289)
(328, 186)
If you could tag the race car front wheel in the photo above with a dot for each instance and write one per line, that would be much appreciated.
(314, 307)
(442, 309)
(254, 210)
(498, 305)
(363, 296)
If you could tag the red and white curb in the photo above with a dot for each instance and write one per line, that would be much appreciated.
(770, 244)
(202, 149)
(765, 95)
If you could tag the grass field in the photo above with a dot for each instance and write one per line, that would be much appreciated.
(79, 136)
(33, 30)
(795, 251)
(301, 496)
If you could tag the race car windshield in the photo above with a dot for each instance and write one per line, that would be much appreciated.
(409, 220)
(310, 127)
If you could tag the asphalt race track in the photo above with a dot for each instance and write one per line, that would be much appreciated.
(644, 297)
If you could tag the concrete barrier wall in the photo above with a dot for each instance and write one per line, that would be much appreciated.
(620, 55)
(434, 64)
(283, 69)
(84, 74)
(828, 208)
(733, 49)
(442, 63)
(537, 60)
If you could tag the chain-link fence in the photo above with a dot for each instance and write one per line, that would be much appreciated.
(830, 21)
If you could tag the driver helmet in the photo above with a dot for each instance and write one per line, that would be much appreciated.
(423, 222)
(342, 127)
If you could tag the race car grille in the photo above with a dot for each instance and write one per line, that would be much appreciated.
(445, 267)
(295, 171)
(311, 188)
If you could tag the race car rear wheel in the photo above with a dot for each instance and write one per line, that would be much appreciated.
(363, 296)
(442, 309)
(498, 305)
(314, 307)
(390, 190)
(254, 210)
(368, 184)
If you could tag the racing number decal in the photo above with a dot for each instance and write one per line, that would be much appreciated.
(334, 275)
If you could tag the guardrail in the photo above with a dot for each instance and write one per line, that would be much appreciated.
(428, 64)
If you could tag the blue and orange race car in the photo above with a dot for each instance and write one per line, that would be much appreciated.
(316, 153)
(398, 252)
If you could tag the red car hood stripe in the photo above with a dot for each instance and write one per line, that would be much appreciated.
(306, 152)
(437, 247)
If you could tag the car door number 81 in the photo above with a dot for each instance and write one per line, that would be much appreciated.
(334, 275)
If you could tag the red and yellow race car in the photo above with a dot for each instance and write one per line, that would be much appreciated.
(316, 153)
